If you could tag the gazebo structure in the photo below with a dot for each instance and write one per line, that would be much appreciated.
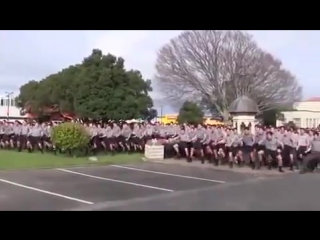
(243, 111)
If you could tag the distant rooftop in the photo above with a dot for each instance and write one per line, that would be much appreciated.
(312, 99)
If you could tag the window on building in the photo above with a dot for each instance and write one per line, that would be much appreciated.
(1, 102)
(12, 102)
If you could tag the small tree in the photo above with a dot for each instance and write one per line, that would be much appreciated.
(291, 124)
(190, 113)
(70, 136)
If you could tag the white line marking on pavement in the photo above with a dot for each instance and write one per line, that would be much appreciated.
(114, 180)
(44, 191)
(167, 174)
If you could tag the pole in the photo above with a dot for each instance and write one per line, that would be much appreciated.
(8, 106)
(161, 115)
(8, 98)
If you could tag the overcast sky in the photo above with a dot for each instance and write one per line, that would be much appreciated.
(27, 55)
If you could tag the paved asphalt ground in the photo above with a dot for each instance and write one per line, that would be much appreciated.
(154, 186)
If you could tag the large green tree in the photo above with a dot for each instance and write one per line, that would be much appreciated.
(99, 87)
(190, 113)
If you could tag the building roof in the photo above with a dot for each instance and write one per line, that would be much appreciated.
(243, 105)
(313, 99)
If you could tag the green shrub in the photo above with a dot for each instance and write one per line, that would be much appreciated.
(70, 136)
(190, 113)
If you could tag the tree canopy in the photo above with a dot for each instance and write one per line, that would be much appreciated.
(99, 87)
(190, 113)
(215, 67)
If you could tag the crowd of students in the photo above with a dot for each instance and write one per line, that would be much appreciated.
(269, 147)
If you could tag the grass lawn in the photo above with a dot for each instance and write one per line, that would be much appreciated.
(25, 160)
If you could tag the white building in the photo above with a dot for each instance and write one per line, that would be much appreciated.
(8, 107)
(305, 115)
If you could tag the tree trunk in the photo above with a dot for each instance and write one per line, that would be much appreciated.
(225, 115)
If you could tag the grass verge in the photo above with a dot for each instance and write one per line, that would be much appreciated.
(23, 160)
